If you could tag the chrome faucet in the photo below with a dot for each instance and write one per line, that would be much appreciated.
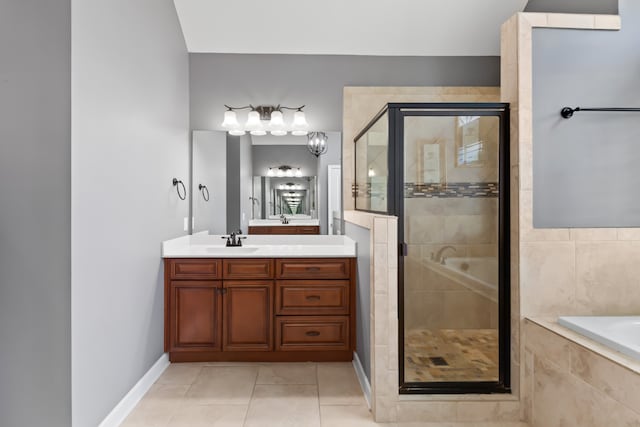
(234, 239)
(439, 256)
(284, 219)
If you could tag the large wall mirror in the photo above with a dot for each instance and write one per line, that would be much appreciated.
(264, 185)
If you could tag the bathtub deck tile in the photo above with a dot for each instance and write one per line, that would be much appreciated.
(614, 380)
(604, 351)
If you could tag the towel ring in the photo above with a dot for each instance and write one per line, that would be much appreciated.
(205, 192)
(177, 183)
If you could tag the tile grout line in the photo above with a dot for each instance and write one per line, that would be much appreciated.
(253, 390)
(318, 393)
(183, 398)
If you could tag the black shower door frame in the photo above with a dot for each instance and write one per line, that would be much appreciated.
(397, 113)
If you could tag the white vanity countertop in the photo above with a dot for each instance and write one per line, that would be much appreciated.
(202, 245)
(277, 222)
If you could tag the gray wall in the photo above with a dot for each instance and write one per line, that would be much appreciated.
(317, 81)
(573, 6)
(362, 236)
(585, 169)
(239, 182)
(209, 167)
(233, 183)
(35, 213)
(130, 137)
(246, 182)
(333, 156)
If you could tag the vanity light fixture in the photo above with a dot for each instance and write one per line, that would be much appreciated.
(317, 143)
(290, 186)
(284, 170)
(265, 118)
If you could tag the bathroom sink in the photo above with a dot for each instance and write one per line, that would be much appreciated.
(230, 250)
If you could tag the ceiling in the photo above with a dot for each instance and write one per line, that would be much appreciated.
(346, 27)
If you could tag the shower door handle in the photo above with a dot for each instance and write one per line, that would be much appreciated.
(403, 249)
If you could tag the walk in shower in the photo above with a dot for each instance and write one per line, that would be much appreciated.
(442, 169)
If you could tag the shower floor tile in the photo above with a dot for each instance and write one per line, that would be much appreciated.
(451, 355)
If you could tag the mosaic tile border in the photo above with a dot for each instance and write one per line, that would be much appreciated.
(451, 190)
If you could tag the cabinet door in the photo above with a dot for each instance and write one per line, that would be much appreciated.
(195, 315)
(248, 317)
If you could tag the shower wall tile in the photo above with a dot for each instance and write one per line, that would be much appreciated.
(547, 275)
(392, 241)
(467, 310)
(425, 229)
(535, 19)
(482, 250)
(460, 309)
(608, 273)
(593, 234)
(470, 229)
(607, 22)
(509, 60)
(381, 268)
(628, 233)
(380, 230)
(570, 20)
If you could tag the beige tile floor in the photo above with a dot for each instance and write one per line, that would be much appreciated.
(258, 395)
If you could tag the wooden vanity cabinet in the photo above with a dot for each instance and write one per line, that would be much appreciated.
(259, 309)
(280, 229)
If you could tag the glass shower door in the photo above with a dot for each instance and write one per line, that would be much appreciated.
(450, 215)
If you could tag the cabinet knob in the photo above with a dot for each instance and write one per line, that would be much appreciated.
(313, 268)
(312, 333)
(313, 297)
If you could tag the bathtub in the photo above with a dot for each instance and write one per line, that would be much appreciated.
(621, 333)
(478, 274)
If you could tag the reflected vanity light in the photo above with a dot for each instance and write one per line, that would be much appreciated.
(371, 172)
(290, 186)
(284, 170)
(265, 118)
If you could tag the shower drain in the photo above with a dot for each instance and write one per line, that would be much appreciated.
(438, 361)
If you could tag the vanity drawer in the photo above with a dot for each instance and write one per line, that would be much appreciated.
(195, 269)
(312, 297)
(311, 229)
(281, 229)
(310, 268)
(313, 333)
(250, 268)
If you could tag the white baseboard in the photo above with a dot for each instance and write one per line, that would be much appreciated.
(362, 378)
(131, 399)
